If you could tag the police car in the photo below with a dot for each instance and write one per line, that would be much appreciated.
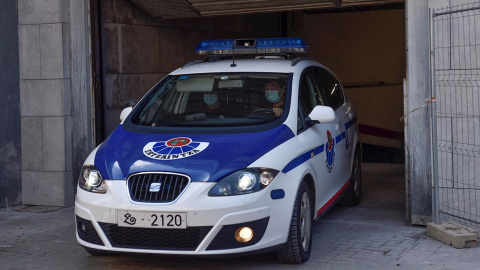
(236, 154)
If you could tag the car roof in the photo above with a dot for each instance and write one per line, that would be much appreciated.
(241, 65)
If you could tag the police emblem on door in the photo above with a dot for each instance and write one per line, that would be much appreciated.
(329, 152)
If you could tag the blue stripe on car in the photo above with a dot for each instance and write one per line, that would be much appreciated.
(303, 158)
(350, 123)
(308, 155)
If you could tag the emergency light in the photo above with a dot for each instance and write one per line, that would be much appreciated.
(252, 46)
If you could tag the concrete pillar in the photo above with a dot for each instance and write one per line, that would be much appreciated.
(417, 124)
(81, 85)
(46, 76)
(10, 158)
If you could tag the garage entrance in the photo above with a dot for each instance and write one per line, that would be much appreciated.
(363, 44)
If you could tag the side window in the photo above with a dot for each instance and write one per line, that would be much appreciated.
(306, 94)
(309, 96)
(318, 92)
(331, 88)
(300, 123)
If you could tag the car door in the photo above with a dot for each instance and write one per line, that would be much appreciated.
(336, 99)
(309, 96)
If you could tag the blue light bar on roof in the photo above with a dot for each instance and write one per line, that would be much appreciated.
(252, 46)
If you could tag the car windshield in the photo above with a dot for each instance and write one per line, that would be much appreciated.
(214, 100)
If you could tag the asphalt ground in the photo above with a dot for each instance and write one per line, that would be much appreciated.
(373, 235)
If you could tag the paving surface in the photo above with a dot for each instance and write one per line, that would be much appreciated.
(373, 235)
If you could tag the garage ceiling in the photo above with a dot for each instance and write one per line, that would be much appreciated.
(172, 9)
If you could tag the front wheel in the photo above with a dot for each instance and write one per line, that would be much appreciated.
(354, 189)
(299, 243)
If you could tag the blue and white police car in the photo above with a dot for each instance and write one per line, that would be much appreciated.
(236, 154)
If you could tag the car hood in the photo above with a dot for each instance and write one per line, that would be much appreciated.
(203, 157)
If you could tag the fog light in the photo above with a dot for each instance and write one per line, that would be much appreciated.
(244, 234)
(82, 228)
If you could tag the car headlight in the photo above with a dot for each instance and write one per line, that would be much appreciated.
(91, 180)
(243, 182)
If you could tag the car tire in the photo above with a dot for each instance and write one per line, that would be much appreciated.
(299, 243)
(353, 192)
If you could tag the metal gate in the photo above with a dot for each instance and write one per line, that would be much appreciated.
(455, 71)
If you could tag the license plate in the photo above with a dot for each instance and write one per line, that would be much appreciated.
(152, 220)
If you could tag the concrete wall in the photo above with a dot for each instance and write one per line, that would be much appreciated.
(46, 74)
(10, 158)
(139, 51)
(362, 48)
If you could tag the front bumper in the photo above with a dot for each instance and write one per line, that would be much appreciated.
(211, 221)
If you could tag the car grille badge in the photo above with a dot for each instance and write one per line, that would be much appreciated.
(155, 187)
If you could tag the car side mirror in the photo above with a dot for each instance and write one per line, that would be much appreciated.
(127, 110)
(320, 114)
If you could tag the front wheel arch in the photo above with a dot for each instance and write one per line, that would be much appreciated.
(311, 185)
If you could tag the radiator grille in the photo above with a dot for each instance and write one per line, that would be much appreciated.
(166, 188)
(158, 239)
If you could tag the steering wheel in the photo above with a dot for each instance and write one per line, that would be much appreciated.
(261, 113)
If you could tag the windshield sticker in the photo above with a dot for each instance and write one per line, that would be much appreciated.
(175, 148)
(329, 152)
(183, 77)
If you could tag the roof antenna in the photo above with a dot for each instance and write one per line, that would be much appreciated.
(233, 64)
